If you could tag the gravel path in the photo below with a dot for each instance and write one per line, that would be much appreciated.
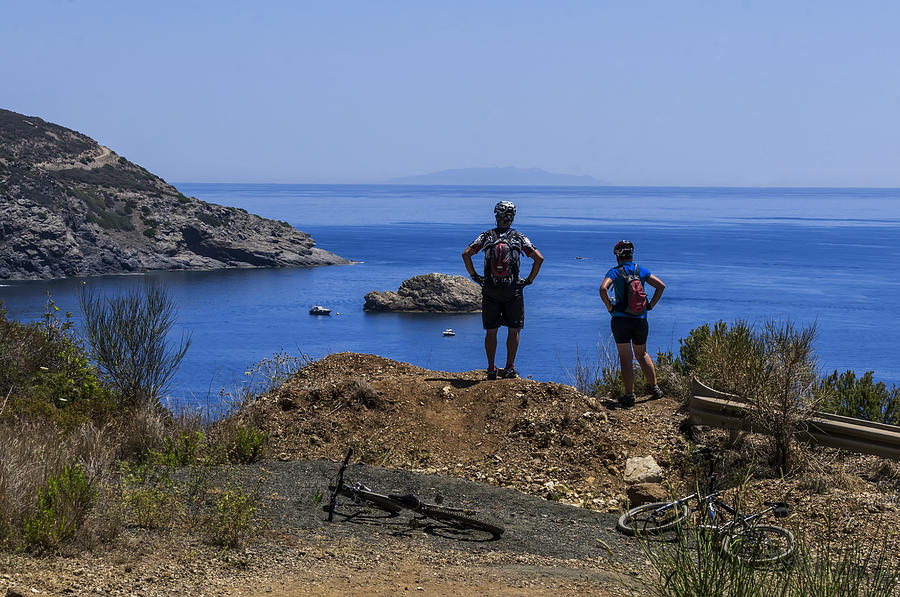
(298, 492)
(548, 548)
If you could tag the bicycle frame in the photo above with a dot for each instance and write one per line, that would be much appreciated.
(711, 503)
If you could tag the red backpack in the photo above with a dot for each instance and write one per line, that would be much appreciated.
(498, 257)
(635, 302)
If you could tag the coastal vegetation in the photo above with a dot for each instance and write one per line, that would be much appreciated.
(89, 448)
(86, 444)
(772, 367)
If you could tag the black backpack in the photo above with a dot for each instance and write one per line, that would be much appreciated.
(635, 299)
(498, 257)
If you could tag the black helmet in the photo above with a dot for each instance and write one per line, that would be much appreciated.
(505, 211)
(624, 248)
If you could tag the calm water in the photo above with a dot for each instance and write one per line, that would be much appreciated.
(829, 256)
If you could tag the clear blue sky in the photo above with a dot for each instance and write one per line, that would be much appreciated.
(654, 92)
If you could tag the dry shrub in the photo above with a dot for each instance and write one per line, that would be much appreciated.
(142, 430)
(359, 391)
(128, 335)
(783, 389)
(37, 462)
(346, 392)
(601, 377)
(585, 373)
(773, 370)
(670, 381)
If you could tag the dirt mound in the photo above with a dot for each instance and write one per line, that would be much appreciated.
(549, 440)
(541, 438)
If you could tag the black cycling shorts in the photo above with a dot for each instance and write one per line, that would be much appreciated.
(503, 311)
(630, 330)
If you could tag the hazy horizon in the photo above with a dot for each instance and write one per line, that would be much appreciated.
(730, 94)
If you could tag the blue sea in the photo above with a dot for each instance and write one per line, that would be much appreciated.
(829, 257)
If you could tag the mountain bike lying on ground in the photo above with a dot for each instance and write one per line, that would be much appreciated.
(458, 518)
(742, 537)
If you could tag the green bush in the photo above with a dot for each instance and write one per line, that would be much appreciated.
(861, 398)
(122, 176)
(61, 508)
(184, 448)
(688, 360)
(209, 219)
(45, 370)
(247, 445)
(722, 356)
(236, 515)
(148, 493)
(111, 221)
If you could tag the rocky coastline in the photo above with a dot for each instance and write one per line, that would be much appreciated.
(72, 207)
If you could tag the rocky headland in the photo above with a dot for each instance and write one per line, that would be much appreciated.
(434, 293)
(73, 207)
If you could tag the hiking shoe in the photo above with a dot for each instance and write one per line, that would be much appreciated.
(627, 400)
(656, 393)
(510, 373)
(492, 373)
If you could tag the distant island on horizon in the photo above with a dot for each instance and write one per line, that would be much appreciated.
(508, 176)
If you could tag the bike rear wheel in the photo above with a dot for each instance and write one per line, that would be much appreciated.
(762, 544)
(656, 517)
(462, 520)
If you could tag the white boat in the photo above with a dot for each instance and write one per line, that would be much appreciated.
(319, 310)
(449, 332)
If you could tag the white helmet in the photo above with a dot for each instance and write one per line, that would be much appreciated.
(505, 211)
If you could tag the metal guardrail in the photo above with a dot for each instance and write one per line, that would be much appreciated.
(718, 409)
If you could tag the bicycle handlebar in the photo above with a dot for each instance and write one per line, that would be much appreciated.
(779, 509)
(338, 485)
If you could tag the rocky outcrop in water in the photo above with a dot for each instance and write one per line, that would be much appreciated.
(438, 293)
(73, 207)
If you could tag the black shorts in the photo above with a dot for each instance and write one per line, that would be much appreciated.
(630, 330)
(497, 311)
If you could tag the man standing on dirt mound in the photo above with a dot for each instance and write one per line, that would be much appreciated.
(629, 316)
(502, 300)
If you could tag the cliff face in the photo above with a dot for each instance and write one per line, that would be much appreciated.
(69, 206)
(438, 293)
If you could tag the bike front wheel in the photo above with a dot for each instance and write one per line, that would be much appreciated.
(461, 520)
(759, 545)
(656, 517)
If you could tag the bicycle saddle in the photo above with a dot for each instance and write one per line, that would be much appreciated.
(409, 500)
(781, 509)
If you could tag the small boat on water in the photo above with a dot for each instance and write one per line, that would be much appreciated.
(449, 332)
(319, 310)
